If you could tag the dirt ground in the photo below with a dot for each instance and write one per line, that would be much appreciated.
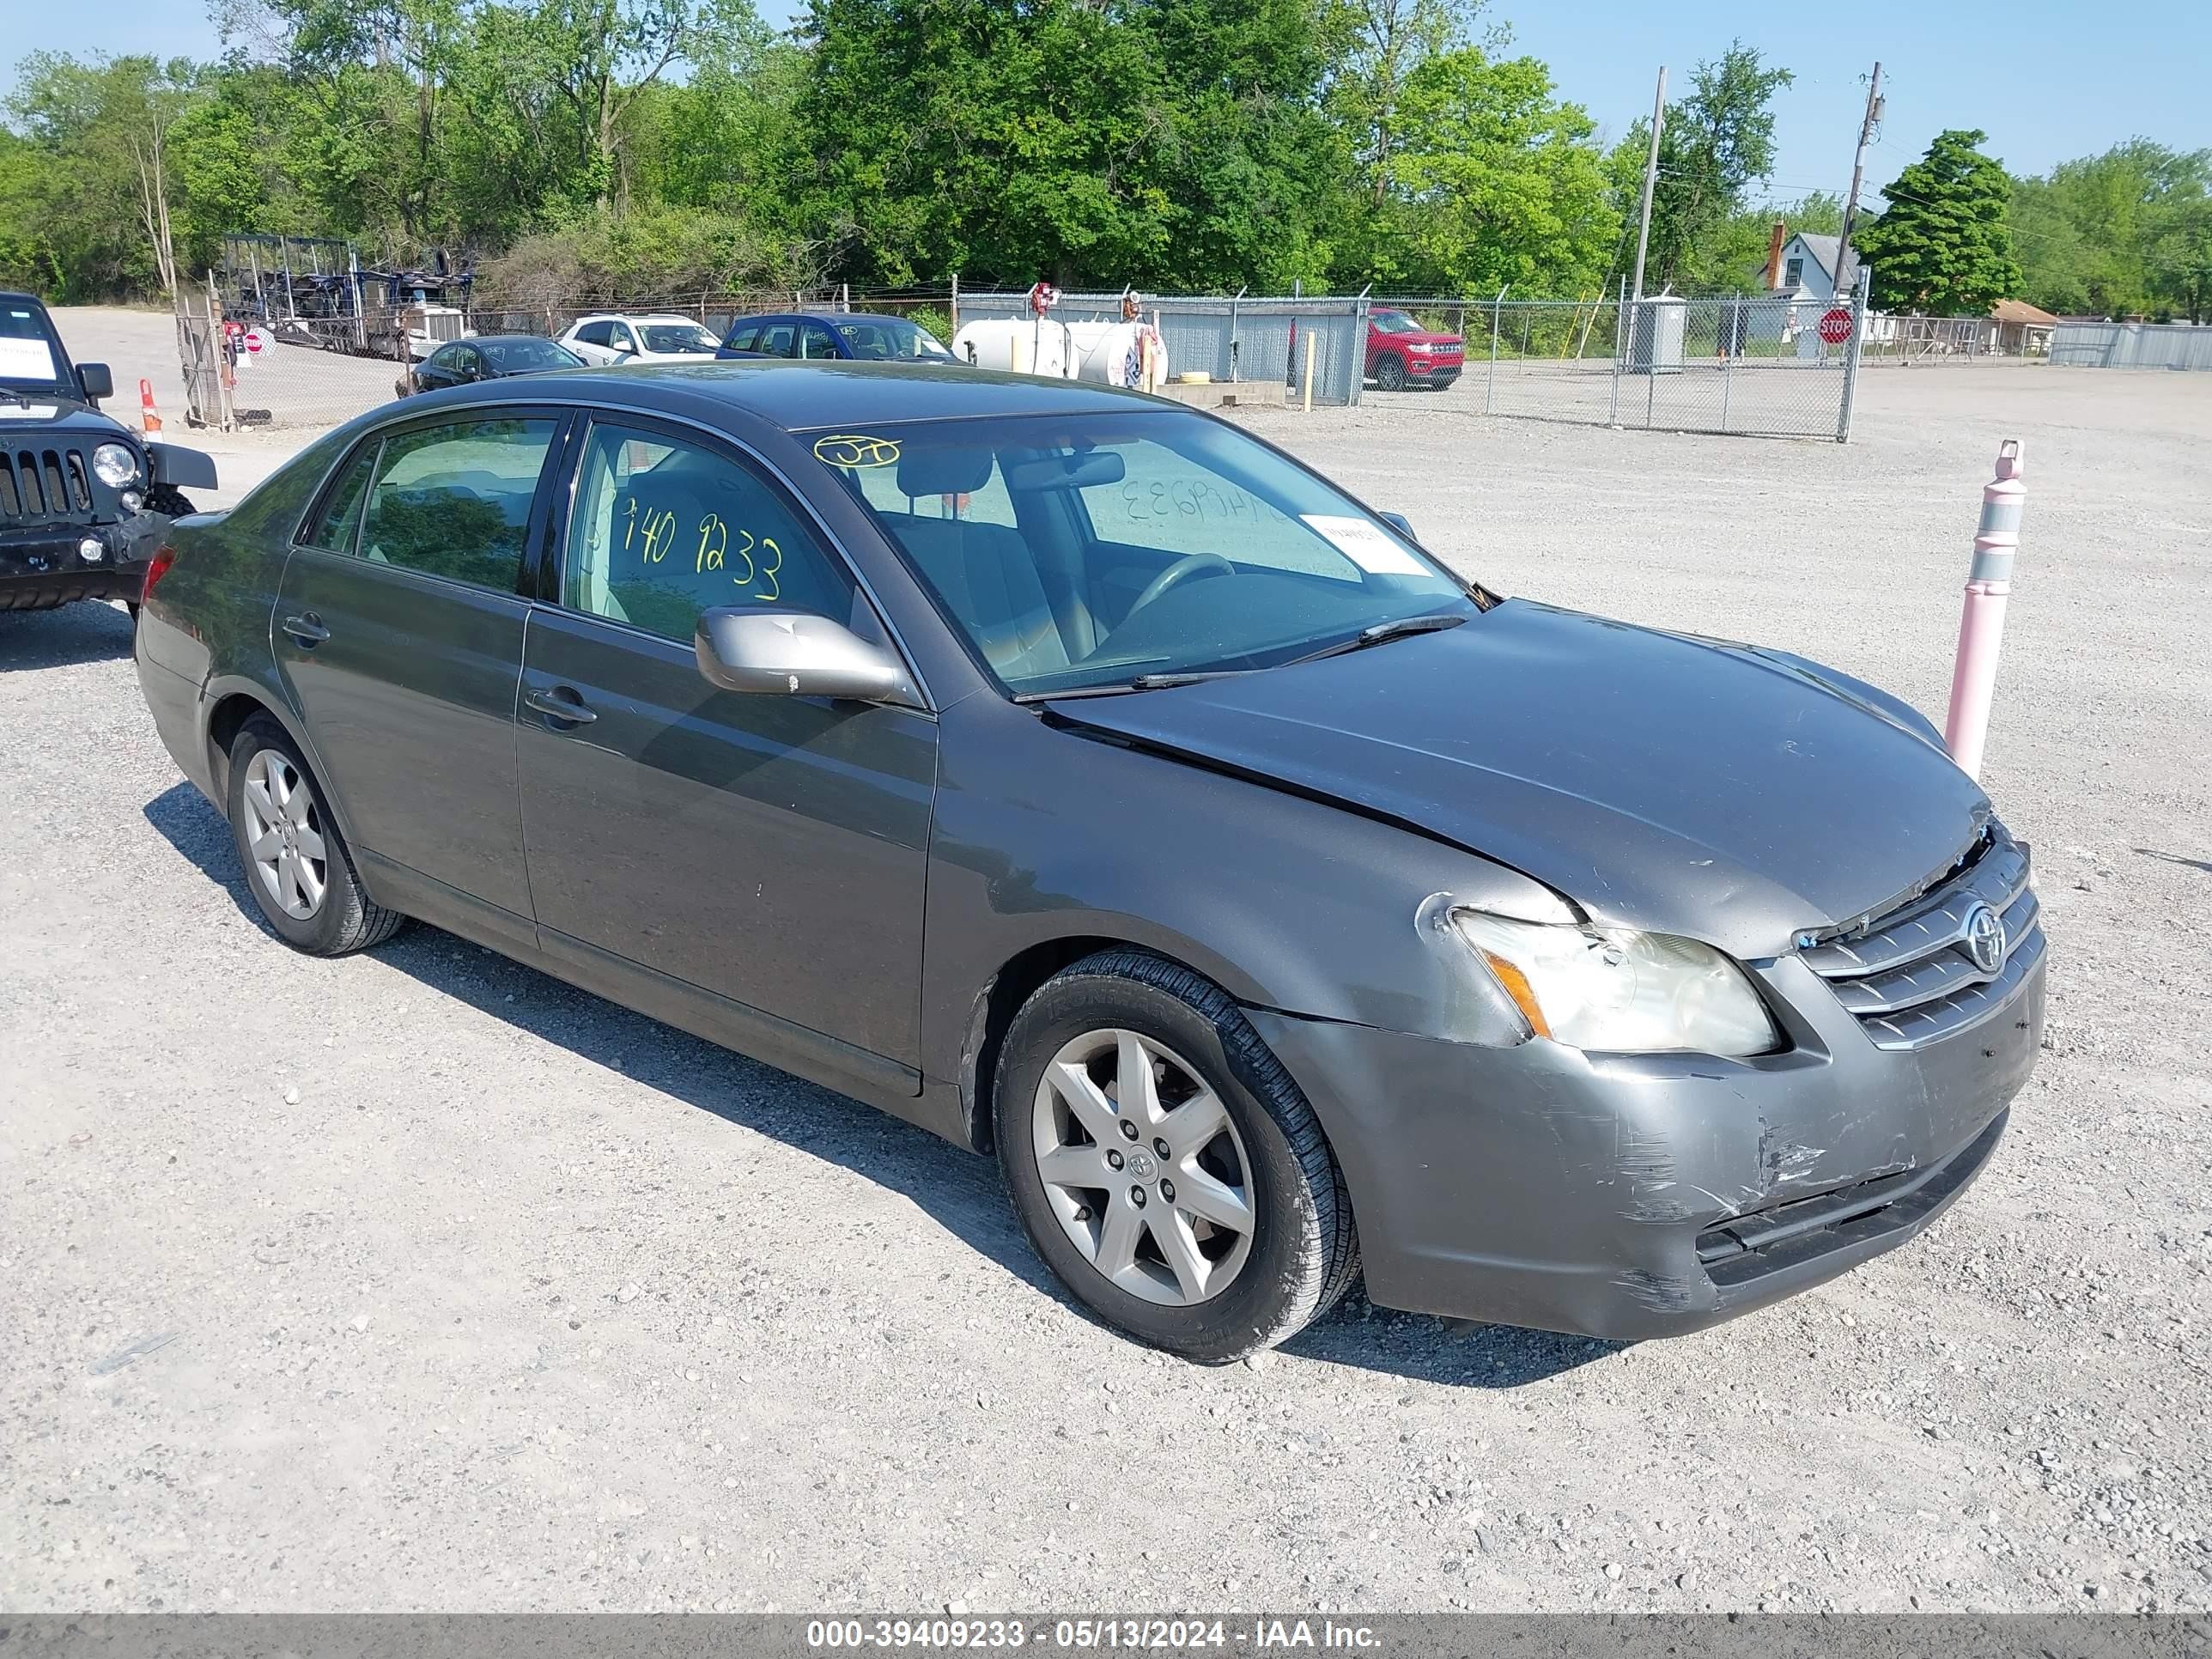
(418, 1281)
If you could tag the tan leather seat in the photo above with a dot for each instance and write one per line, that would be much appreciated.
(985, 573)
(987, 578)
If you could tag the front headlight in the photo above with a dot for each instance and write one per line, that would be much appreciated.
(1619, 991)
(115, 463)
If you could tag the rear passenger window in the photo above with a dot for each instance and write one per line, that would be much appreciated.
(334, 526)
(663, 530)
(453, 501)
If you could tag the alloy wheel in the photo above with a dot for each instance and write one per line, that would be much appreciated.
(284, 834)
(1142, 1168)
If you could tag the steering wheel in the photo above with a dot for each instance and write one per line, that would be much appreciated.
(1190, 565)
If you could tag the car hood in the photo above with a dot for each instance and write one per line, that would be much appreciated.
(1659, 781)
(1426, 338)
(57, 416)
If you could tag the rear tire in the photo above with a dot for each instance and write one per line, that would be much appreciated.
(297, 865)
(1221, 1226)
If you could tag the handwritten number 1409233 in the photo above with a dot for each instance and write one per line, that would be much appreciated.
(651, 532)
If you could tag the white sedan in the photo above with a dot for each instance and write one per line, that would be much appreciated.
(612, 338)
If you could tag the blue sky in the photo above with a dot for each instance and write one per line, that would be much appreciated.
(2040, 76)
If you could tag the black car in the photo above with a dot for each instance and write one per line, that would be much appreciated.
(837, 336)
(83, 499)
(492, 357)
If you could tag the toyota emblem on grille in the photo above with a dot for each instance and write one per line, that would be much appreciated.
(1985, 938)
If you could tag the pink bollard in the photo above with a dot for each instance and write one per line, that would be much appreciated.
(1981, 623)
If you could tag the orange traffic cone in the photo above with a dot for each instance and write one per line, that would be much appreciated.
(149, 418)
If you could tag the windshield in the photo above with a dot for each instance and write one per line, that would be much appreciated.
(678, 337)
(1395, 322)
(1088, 550)
(31, 358)
(517, 357)
(884, 338)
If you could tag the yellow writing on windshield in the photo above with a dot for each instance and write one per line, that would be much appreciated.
(855, 449)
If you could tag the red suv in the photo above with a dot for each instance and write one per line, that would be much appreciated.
(1401, 353)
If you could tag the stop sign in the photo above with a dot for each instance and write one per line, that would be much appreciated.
(1836, 326)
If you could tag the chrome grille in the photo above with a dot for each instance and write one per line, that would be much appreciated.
(44, 486)
(1909, 976)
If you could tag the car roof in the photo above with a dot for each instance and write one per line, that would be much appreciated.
(822, 317)
(828, 391)
(501, 340)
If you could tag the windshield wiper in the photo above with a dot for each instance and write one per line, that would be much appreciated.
(1192, 677)
(1140, 682)
(1403, 628)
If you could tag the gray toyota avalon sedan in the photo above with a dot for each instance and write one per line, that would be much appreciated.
(1086, 781)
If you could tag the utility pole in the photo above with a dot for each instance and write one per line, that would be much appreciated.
(1650, 177)
(1858, 173)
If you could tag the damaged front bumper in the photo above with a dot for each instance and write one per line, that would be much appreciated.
(48, 565)
(1634, 1196)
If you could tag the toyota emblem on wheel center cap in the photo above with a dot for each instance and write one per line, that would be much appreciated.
(1141, 1163)
(1985, 938)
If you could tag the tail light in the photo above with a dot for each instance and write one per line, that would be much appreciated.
(156, 567)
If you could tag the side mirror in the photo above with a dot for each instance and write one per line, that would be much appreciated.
(94, 382)
(796, 653)
(1400, 523)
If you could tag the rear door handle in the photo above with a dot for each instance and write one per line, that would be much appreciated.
(307, 629)
(561, 702)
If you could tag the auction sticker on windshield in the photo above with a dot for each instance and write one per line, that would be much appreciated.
(1366, 545)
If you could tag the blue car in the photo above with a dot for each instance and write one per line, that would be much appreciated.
(850, 336)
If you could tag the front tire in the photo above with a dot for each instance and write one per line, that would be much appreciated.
(1165, 1165)
(169, 502)
(1390, 374)
(296, 863)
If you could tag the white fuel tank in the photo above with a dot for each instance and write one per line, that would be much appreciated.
(1105, 353)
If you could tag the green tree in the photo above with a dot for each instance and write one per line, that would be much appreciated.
(2115, 234)
(105, 188)
(1495, 182)
(2181, 258)
(1715, 145)
(1376, 48)
(951, 134)
(1943, 244)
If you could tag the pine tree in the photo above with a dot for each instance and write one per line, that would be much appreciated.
(1944, 245)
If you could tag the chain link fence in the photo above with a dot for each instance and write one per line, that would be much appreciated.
(296, 371)
(1768, 365)
(1763, 365)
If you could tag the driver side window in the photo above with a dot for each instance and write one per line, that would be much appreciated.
(664, 528)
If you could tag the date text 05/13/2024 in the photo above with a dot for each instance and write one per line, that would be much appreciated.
(1262, 1634)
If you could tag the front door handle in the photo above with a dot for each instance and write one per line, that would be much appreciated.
(561, 702)
(307, 629)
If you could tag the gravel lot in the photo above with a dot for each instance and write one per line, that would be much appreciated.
(475, 1293)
